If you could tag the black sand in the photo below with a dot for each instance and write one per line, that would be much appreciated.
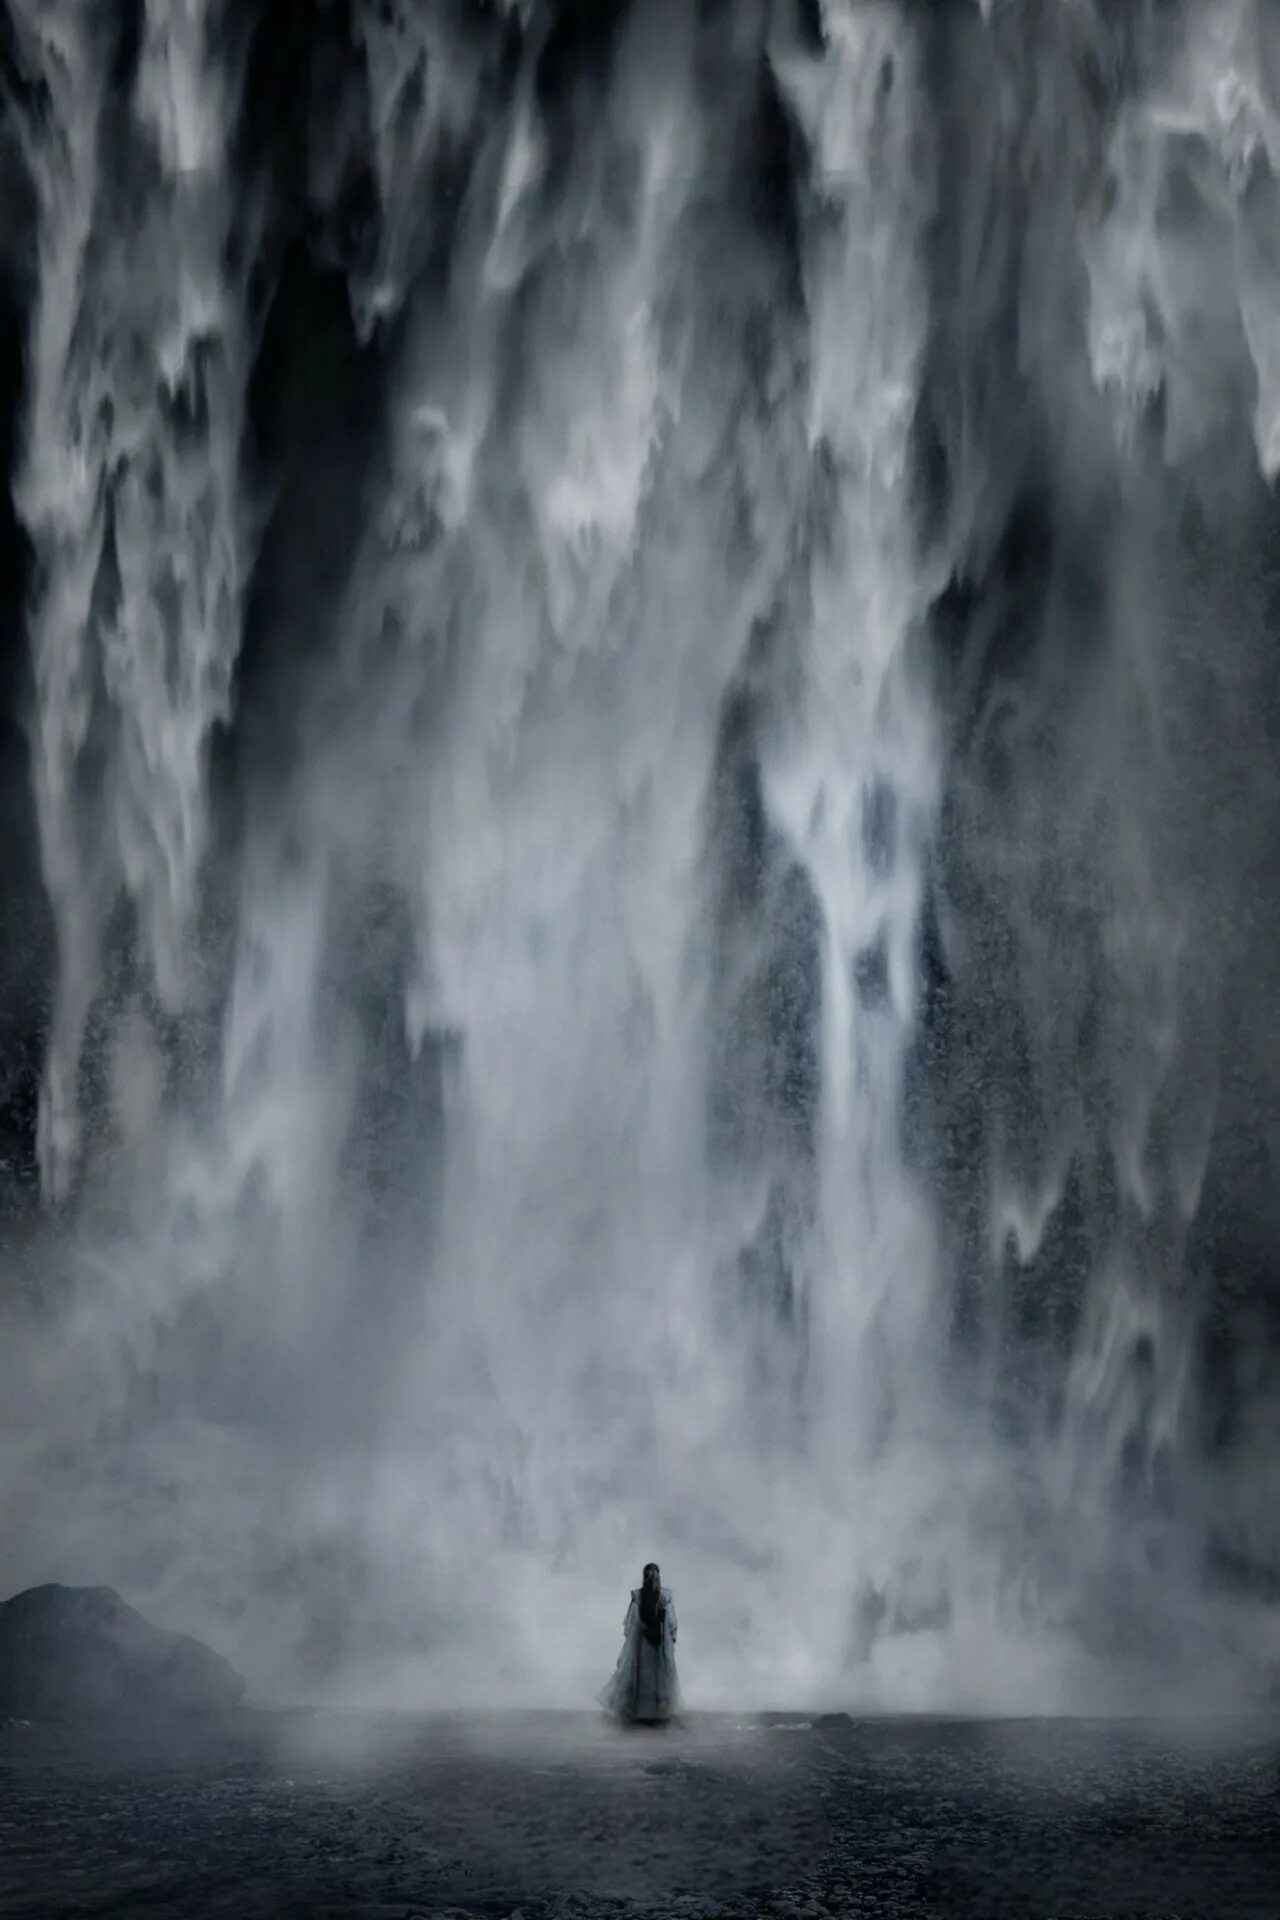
(540, 1815)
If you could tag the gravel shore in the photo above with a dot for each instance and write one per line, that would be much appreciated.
(404, 1817)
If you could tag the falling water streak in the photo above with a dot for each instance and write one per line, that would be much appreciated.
(1160, 331)
(853, 781)
(59, 503)
(1161, 134)
(130, 493)
(558, 898)
(428, 86)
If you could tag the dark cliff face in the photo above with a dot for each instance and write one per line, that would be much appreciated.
(1082, 1093)
(27, 933)
(70, 1651)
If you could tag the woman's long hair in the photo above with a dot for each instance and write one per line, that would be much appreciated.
(651, 1607)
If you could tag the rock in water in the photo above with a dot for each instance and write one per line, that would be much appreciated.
(67, 1651)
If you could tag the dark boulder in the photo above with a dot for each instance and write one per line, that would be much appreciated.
(68, 1651)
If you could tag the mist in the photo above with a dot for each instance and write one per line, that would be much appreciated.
(639, 766)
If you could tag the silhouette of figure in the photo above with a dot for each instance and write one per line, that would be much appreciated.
(644, 1690)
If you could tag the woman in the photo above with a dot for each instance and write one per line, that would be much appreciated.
(644, 1690)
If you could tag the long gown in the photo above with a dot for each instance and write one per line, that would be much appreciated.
(644, 1685)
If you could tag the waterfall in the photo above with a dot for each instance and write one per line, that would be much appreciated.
(129, 492)
(650, 715)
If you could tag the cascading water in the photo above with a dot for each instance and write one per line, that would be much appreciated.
(129, 491)
(650, 717)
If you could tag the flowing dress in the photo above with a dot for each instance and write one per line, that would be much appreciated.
(644, 1684)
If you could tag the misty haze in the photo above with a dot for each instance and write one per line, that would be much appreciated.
(640, 877)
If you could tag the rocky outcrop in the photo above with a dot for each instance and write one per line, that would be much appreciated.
(70, 1651)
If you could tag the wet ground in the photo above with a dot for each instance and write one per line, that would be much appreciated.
(541, 1815)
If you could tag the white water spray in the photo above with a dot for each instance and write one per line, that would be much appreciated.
(130, 492)
(631, 703)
